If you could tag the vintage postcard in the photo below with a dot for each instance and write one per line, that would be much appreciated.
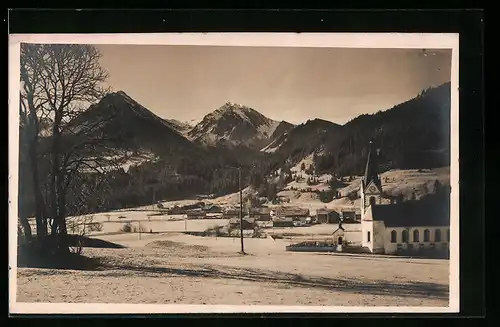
(238, 172)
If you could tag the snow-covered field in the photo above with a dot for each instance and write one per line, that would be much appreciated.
(167, 266)
(394, 182)
(183, 269)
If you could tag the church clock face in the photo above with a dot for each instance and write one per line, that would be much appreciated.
(373, 189)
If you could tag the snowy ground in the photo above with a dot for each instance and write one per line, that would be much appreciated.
(394, 182)
(167, 266)
(184, 269)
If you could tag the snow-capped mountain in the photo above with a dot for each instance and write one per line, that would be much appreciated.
(136, 126)
(182, 127)
(234, 125)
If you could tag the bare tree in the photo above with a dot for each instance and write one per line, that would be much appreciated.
(60, 83)
(30, 112)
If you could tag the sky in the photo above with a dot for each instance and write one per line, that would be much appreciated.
(292, 84)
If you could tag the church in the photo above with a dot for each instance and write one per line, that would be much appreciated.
(390, 227)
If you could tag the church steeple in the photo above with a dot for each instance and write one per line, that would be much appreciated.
(371, 174)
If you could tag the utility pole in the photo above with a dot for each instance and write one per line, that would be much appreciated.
(241, 211)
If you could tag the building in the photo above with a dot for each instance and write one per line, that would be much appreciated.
(212, 208)
(196, 214)
(248, 223)
(283, 222)
(291, 212)
(286, 216)
(198, 205)
(390, 227)
(349, 217)
(176, 210)
(231, 212)
(261, 213)
(327, 216)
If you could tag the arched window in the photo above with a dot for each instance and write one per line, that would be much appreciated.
(339, 240)
(437, 235)
(448, 235)
(427, 235)
(394, 236)
(416, 236)
(368, 236)
(404, 236)
(372, 200)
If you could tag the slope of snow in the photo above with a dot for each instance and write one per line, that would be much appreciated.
(193, 122)
(273, 146)
(233, 198)
(307, 161)
(182, 128)
(268, 129)
(394, 182)
(110, 163)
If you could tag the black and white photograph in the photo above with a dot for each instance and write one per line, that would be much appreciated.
(233, 173)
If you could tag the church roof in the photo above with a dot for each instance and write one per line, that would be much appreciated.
(371, 173)
(412, 213)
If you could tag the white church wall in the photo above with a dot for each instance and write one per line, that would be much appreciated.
(367, 234)
(373, 232)
(378, 237)
(411, 244)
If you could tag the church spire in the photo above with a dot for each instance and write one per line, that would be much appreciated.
(371, 168)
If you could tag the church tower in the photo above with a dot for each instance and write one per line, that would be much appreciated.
(371, 187)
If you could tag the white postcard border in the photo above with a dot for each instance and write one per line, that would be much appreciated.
(345, 40)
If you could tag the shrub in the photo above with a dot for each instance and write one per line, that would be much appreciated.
(353, 195)
(127, 228)
(95, 227)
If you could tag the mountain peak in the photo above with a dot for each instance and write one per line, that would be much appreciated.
(234, 124)
(236, 108)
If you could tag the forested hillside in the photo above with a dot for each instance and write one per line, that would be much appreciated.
(412, 135)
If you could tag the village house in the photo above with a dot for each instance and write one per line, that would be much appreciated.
(392, 227)
(196, 214)
(248, 223)
(349, 217)
(198, 205)
(283, 222)
(231, 212)
(292, 212)
(327, 216)
(286, 216)
(212, 208)
(261, 213)
(176, 210)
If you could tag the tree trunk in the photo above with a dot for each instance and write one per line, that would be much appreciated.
(26, 227)
(41, 224)
(32, 133)
(57, 193)
(63, 244)
(53, 179)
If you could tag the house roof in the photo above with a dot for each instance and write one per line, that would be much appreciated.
(325, 211)
(292, 211)
(245, 220)
(412, 213)
(260, 210)
(195, 212)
